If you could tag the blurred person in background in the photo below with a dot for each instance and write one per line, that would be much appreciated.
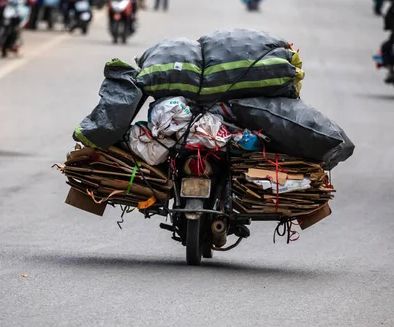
(141, 4)
(378, 7)
(389, 18)
(387, 48)
(66, 6)
(35, 9)
(159, 2)
(3, 3)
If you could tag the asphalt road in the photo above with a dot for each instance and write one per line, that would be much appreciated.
(63, 267)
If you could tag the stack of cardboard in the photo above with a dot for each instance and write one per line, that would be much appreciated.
(113, 176)
(267, 183)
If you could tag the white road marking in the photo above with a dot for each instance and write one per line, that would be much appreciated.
(12, 66)
(30, 55)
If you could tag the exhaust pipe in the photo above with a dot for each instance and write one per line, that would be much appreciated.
(219, 232)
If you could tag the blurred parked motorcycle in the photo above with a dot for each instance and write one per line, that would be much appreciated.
(79, 16)
(13, 18)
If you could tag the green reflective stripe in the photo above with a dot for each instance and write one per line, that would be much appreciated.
(167, 67)
(243, 64)
(83, 138)
(172, 86)
(245, 85)
(117, 63)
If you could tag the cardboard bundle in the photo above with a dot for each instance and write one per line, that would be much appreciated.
(267, 183)
(97, 177)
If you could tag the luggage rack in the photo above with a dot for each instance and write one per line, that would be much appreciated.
(162, 211)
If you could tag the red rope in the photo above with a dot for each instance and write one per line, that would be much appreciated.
(277, 181)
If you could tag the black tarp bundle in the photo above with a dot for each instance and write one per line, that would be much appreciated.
(171, 68)
(221, 66)
(244, 63)
(294, 128)
(120, 100)
(262, 72)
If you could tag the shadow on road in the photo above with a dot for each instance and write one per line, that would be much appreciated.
(108, 43)
(170, 265)
(14, 154)
(384, 97)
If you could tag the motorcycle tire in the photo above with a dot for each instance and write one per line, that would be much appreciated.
(85, 29)
(207, 252)
(193, 247)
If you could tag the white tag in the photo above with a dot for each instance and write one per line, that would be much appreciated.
(178, 66)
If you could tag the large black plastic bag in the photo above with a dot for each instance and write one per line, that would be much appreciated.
(294, 128)
(228, 57)
(120, 100)
(171, 68)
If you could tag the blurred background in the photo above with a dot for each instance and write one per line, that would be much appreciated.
(61, 266)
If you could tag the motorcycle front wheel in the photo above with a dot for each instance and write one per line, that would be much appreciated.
(193, 246)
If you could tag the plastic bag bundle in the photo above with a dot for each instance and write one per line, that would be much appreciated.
(208, 131)
(221, 66)
(171, 68)
(243, 63)
(141, 142)
(120, 100)
(168, 116)
(294, 128)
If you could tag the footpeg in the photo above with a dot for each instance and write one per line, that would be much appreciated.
(167, 227)
(242, 231)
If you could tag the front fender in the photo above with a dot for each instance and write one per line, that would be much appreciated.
(193, 206)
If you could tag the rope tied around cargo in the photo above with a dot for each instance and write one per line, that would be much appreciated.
(277, 181)
(126, 140)
(220, 98)
(125, 209)
(286, 226)
(277, 170)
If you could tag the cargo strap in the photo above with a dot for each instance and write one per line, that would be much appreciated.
(132, 177)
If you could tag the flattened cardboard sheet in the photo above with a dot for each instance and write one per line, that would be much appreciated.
(314, 217)
(82, 201)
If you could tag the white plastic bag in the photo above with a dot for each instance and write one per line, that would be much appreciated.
(168, 116)
(153, 152)
(208, 131)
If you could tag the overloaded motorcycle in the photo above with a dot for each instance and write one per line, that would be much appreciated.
(13, 19)
(122, 19)
(209, 165)
(79, 16)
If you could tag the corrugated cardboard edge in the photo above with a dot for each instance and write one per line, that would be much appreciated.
(314, 217)
(82, 201)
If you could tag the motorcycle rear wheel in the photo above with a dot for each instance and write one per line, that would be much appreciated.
(193, 246)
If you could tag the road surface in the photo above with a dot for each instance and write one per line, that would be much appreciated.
(60, 266)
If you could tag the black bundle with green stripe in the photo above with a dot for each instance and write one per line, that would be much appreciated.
(244, 63)
(171, 67)
(221, 66)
